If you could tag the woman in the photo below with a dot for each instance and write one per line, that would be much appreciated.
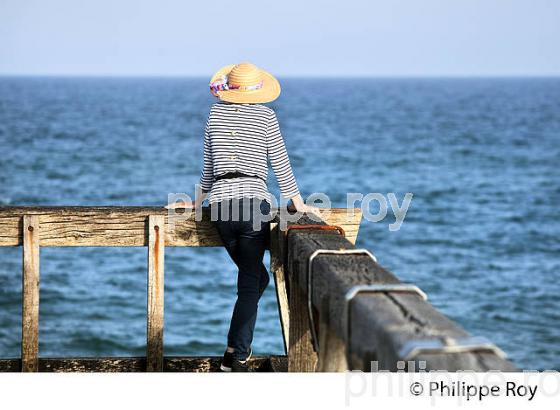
(240, 138)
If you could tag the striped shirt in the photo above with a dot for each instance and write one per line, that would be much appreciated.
(243, 138)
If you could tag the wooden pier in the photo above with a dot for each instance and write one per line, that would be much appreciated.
(339, 309)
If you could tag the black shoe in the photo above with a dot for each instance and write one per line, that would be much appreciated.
(227, 361)
(239, 366)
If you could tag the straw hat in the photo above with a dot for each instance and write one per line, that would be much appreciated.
(244, 83)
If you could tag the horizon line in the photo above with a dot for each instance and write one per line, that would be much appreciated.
(290, 76)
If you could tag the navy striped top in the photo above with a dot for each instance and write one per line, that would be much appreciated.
(243, 138)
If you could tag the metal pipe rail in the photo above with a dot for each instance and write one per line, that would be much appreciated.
(349, 313)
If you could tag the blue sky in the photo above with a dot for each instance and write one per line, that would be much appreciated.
(287, 37)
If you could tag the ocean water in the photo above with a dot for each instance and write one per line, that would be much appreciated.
(481, 237)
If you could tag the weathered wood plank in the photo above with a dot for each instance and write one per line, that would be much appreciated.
(301, 354)
(138, 364)
(293, 309)
(156, 249)
(279, 364)
(277, 269)
(126, 226)
(380, 323)
(30, 294)
(401, 318)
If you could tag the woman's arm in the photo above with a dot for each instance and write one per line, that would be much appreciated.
(207, 176)
(282, 168)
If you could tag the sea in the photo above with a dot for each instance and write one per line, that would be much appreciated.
(481, 236)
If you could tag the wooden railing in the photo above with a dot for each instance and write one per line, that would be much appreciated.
(339, 309)
(36, 227)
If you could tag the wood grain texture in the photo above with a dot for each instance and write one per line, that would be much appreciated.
(301, 355)
(156, 249)
(30, 294)
(138, 364)
(126, 226)
(292, 299)
(280, 285)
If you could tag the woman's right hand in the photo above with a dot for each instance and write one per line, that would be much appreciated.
(304, 208)
(309, 209)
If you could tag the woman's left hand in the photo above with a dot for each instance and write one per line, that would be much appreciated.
(181, 205)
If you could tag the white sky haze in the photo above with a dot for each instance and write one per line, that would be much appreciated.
(287, 37)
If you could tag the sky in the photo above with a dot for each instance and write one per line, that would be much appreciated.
(287, 37)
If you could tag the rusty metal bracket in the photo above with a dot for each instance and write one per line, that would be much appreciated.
(318, 252)
(413, 348)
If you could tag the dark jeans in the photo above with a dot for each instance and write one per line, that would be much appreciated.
(246, 246)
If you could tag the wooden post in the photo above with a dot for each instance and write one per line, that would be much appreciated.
(30, 295)
(156, 243)
(277, 268)
(301, 355)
